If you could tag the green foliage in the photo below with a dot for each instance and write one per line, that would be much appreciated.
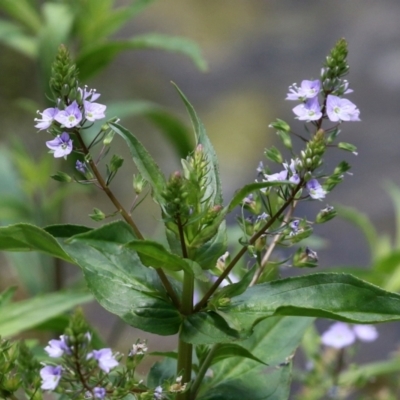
(26, 314)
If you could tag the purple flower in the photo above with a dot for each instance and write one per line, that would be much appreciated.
(50, 377)
(94, 111)
(158, 393)
(339, 335)
(104, 358)
(295, 179)
(341, 109)
(308, 111)
(89, 95)
(57, 348)
(279, 176)
(99, 393)
(315, 189)
(69, 117)
(81, 167)
(307, 90)
(366, 333)
(61, 146)
(47, 118)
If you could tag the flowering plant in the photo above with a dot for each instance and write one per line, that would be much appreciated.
(238, 327)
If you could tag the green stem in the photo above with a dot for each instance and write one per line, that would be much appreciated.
(164, 279)
(185, 350)
(202, 371)
(243, 250)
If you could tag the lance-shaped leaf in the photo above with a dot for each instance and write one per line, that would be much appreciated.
(154, 254)
(252, 187)
(228, 350)
(26, 237)
(96, 57)
(27, 314)
(143, 161)
(119, 281)
(171, 126)
(214, 189)
(336, 296)
(274, 341)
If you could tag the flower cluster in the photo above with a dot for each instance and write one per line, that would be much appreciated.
(52, 374)
(337, 109)
(64, 119)
(340, 334)
(291, 173)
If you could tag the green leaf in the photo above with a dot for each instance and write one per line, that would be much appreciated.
(26, 237)
(228, 350)
(96, 19)
(361, 221)
(207, 328)
(97, 57)
(236, 289)
(24, 12)
(143, 161)
(336, 296)
(119, 281)
(369, 371)
(250, 188)
(274, 341)
(174, 130)
(162, 371)
(254, 387)
(207, 254)
(15, 37)
(154, 254)
(26, 314)
(214, 190)
(6, 296)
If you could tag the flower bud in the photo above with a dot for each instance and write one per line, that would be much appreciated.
(61, 177)
(274, 155)
(109, 137)
(305, 258)
(116, 163)
(348, 147)
(280, 125)
(97, 215)
(139, 183)
(325, 215)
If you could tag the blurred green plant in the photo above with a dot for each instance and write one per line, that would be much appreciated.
(384, 267)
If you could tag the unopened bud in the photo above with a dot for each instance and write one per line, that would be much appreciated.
(325, 215)
(97, 215)
(305, 258)
(61, 177)
(139, 183)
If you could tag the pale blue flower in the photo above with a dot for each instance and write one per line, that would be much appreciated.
(307, 90)
(69, 117)
(308, 111)
(339, 109)
(50, 376)
(279, 176)
(99, 393)
(315, 190)
(339, 335)
(366, 333)
(47, 118)
(60, 146)
(57, 348)
(94, 111)
(105, 359)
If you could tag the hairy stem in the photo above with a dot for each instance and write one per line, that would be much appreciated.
(164, 279)
(243, 250)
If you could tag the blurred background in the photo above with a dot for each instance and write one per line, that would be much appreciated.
(254, 50)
